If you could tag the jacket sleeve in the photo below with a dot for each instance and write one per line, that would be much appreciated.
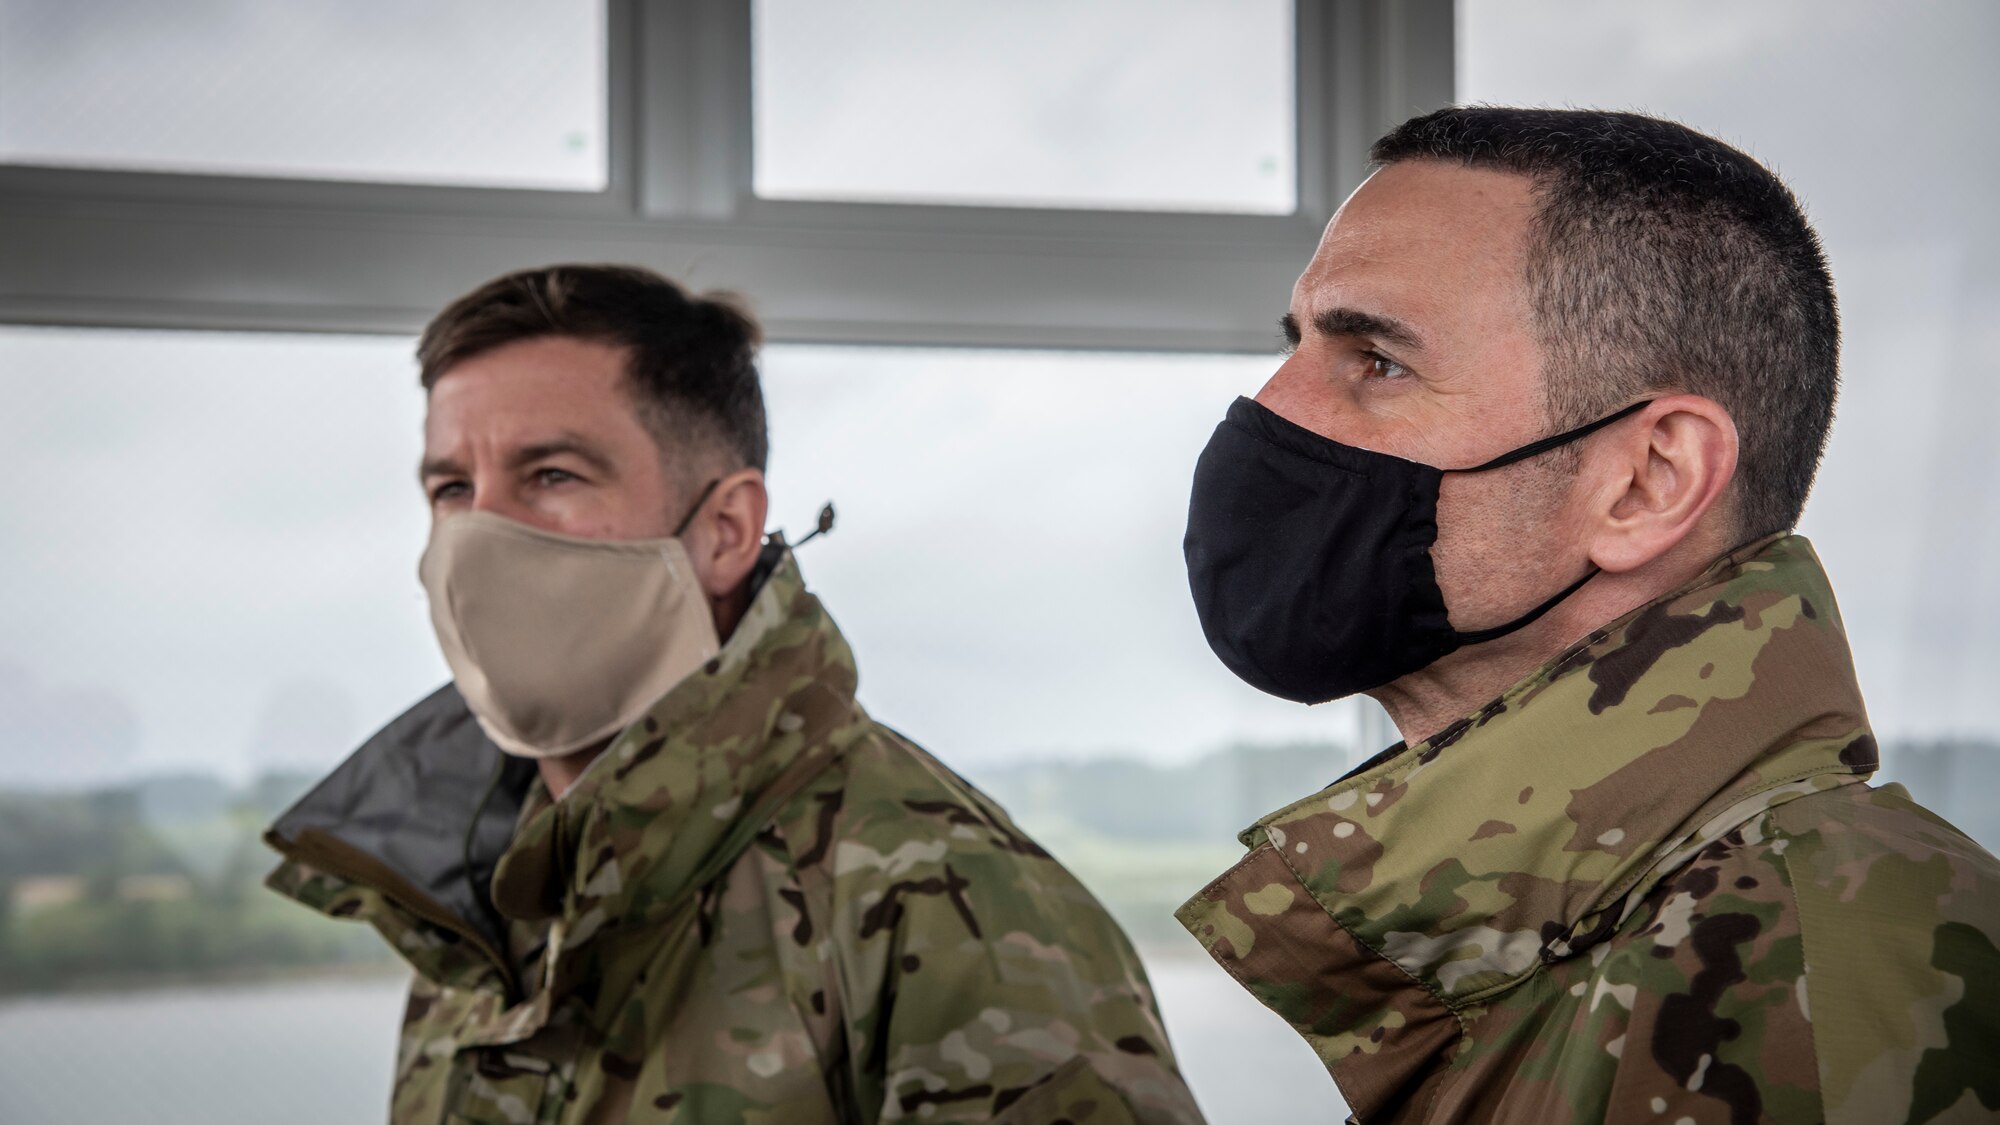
(978, 981)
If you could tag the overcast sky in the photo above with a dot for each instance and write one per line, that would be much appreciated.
(210, 556)
(222, 571)
(485, 92)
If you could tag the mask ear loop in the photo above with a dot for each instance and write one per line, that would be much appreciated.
(707, 491)
(1477, 636)
(1534, 448)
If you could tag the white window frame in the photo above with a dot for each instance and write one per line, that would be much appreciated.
(144, 249)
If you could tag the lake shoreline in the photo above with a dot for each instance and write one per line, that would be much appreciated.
(114, 985)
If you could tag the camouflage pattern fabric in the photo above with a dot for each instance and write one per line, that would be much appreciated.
(760, 906)
(1647, 884)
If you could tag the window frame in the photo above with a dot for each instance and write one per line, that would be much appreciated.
(157, 249)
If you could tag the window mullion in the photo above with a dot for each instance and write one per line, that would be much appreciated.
(694, 140)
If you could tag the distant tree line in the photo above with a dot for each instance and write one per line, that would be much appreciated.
(161, 879)
(138, 884)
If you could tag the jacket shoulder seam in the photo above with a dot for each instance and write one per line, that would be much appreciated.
(1784, 860)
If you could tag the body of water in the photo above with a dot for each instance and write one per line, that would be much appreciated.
(319, 1052)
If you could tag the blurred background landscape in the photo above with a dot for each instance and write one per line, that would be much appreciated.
(156, 881)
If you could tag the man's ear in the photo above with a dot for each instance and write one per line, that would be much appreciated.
(1661, 476)
(728, 533)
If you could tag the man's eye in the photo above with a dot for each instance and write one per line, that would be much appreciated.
(547, 477)
(449, 490)
(1382, 367)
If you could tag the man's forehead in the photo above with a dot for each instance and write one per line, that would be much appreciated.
(1417, 232)
(503, 411)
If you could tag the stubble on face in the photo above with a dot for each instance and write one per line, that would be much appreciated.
(1499, 550)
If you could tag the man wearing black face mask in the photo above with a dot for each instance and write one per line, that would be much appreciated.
(1558, 386)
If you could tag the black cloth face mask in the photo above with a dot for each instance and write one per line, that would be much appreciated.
(1310, 561)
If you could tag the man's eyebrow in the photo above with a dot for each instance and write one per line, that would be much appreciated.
(575, 445)
(1354, 322)
(439, 467)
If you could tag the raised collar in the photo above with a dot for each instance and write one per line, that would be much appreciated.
(680, 793)
(428, 827)
(1373, 913)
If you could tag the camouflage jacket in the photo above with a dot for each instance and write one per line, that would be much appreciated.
(757, 905)
(1647, 884)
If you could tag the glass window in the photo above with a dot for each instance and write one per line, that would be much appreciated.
(1903, 511)
(210, 597)
(213, 597)
(1160, 105)
(488, 93)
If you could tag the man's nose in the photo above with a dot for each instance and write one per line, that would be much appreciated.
(494, 496)
(1299, 396)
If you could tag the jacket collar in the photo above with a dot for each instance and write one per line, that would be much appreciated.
(682, 792)
(1519, 835)
(409, 831)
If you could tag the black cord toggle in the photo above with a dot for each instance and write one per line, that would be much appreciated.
(825, 525)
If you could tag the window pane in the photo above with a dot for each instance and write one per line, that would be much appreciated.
(1164, 105)
(1007, 565)
(1903, 511)
(212, 597)
(490, 93)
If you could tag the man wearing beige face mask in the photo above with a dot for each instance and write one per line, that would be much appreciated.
(647, 855)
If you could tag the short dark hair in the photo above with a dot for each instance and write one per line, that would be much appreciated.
(1663, 259)
(692, 363)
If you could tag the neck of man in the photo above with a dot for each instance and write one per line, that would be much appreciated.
(559, 773)
(1425, 702)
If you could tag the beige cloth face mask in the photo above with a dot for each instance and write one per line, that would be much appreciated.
(557, 642)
